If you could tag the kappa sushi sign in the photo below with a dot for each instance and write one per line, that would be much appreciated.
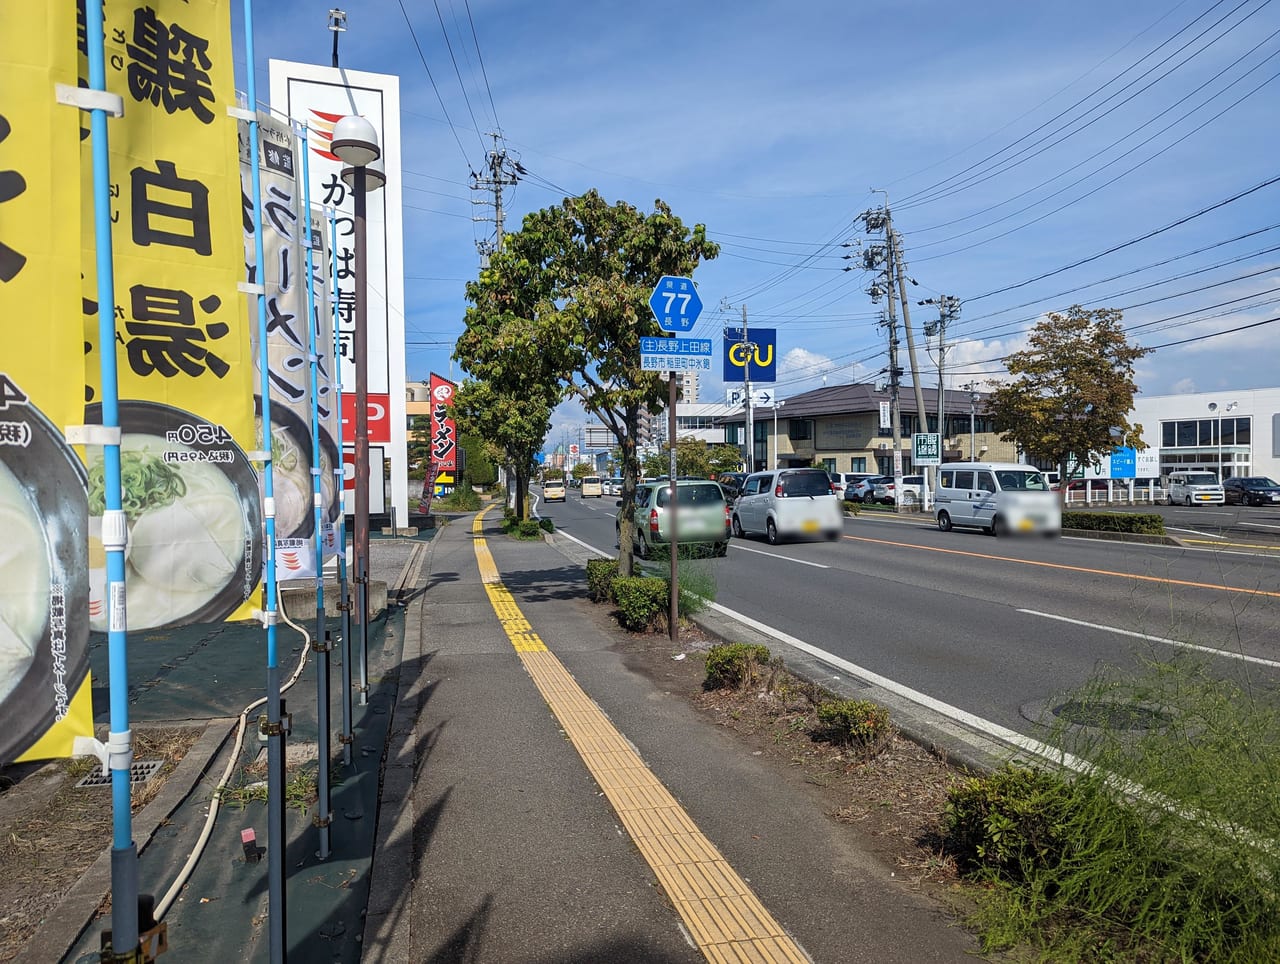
(444, 431)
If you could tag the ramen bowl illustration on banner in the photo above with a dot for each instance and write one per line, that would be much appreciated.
(194, 547)
(44, 584)
(292, 483)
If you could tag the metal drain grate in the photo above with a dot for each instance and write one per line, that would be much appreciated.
(140, 772)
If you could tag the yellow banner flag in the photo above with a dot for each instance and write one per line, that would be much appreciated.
(186, 373)
(44, 584)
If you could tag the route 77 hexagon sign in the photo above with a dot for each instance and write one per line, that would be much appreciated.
(675, 303)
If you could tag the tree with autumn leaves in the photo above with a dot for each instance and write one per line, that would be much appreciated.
(1072, 389)
(560, 310)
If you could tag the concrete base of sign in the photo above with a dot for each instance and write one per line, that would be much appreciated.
(401, 531)
(299, 600)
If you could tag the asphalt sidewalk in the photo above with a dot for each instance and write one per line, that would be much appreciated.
(476, 821)
(498, 839)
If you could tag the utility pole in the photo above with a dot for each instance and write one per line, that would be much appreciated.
(877, 256)
(948, 311)
(895, 257)
(502, 172)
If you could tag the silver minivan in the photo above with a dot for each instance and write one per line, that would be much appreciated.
(1194, 487)
(787, 503)
(997, 497)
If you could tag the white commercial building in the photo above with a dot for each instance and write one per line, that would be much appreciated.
(1235, 432)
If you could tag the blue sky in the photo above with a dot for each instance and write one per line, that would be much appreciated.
(1014, 140)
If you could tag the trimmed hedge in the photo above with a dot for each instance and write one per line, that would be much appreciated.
(858, 723)
(1139, 523)
(600, 576)
(641, 600)
(734, 665)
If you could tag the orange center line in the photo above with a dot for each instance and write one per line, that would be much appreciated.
(1059, 565)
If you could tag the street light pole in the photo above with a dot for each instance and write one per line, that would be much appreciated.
(355, 142)
(777, 452)
(973, 435)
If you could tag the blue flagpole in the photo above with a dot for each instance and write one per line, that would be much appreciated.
(320, 643)
(124, 854)
(274, 729)
(344, 600)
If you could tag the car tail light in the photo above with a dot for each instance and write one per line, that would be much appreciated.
(653, 520)
(778, 491)
(834, 490)
(728, 516)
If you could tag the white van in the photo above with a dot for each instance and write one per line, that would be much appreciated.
(997, 497)
(1194, 487)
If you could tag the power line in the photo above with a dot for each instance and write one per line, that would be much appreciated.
(457, 73)
(484, 73)
(422, 57)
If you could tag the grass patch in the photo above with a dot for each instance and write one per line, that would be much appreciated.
(1176, 860)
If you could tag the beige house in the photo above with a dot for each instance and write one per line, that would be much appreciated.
(840, 429)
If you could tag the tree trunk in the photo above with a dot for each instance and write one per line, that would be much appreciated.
(630, 472)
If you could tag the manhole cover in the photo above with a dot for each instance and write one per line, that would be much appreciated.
(1107, 715)
(140, 772)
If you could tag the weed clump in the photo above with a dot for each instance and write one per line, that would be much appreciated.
(861, 724)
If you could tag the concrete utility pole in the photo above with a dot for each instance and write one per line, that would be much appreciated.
(895, 258)
(948, 311)
(502, 172)
(873, 257)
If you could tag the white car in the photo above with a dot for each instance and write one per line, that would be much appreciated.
(912, 491)
(788, 502)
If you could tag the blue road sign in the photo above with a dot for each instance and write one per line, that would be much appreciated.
(675, 303)
(675, 354)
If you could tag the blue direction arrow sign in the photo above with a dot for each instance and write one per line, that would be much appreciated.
(675, 354)
(675, 303)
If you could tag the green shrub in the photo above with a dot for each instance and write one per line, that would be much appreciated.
(461, 499)
(546, 525)
(528, 529)
(641, 601)
(1009, 823)
(1141, 523)
(734, 665)
(600, 576)
(858, 723)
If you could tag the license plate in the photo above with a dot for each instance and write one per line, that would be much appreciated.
(809, 525)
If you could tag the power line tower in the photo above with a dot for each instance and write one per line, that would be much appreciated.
(500, 171)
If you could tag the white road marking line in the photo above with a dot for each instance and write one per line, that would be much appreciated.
(1157, 639)
(1261, 525)
(1196, 532)
(598, 552)
(774, 555)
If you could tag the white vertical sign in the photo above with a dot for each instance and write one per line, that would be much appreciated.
(318, 96)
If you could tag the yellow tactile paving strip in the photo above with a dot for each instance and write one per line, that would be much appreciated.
(725, 919)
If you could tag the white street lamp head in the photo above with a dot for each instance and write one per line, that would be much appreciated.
(355, 141)
(374, 176)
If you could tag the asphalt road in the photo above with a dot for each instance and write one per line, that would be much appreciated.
(1003, 628)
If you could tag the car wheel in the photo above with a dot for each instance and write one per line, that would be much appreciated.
(1188, 502)
(737, 529)
(834, 535)
(944, 521)
(999, 527)
(642, 548)
(909, 498)
(771, 533)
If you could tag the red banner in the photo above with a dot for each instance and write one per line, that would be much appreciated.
(444, 433)
(379, 407)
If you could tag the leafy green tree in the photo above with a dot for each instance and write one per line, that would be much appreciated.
(723, 458)
(568, 296)
(691, 459)
(418, 450)
(481, 469)
(1072, 389)
(582, 470)
(516, 424)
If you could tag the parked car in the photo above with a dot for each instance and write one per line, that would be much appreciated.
(613, 486)
(1251, 490)
(786, 503)
(731, 482)
(844, 480)
(912, 491)
(575, 483)
(702, 517)
(864, 489)
(591, 487)
(554, 490)
(1193, 487)
(997, 497)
